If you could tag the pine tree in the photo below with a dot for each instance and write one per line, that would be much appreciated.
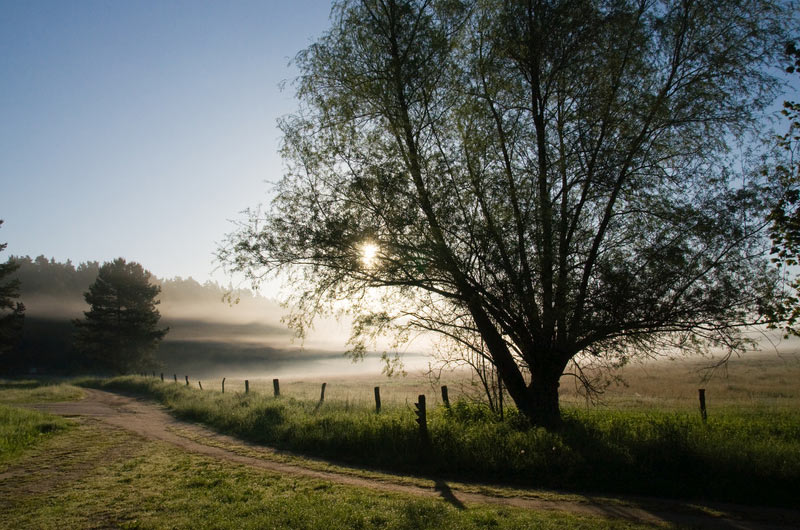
(11, 310)
(120, 331)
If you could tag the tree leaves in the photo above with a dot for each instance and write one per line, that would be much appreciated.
(552, 177)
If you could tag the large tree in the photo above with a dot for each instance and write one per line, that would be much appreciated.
(11, 309)
(120, 331)
(545, 183)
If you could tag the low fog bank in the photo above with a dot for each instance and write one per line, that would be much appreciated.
(193, 311)
(208, 360)
(209, 324)
(216, 331)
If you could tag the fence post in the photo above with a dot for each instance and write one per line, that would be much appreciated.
(187, 380)
(377, 399)
(200, 384)
(223, 385)
(246, 386)
(322, 393)
(162, 377)
(276, 387)
(175, 377)
(703, 413)
(422, 418)
(445, 397)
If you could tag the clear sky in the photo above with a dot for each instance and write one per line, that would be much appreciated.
(140, 128)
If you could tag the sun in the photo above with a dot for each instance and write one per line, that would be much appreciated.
(369, 254)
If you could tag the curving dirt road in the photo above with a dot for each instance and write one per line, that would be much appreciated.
(153, 422)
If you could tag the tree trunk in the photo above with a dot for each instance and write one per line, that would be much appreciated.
(543, 399)
(539, 403)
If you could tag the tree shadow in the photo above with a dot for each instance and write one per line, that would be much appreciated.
(447, 494)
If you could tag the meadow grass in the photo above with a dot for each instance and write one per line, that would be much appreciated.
(37, 391)
(95, 476)
(21, 429)
(749, 455)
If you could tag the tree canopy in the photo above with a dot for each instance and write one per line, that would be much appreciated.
(120, 331)
(11, 309)
(543, 183)
(785, 215)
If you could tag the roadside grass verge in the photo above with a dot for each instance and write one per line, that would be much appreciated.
(37, 391)
(100, 477)
(750, 457)
(21, 428)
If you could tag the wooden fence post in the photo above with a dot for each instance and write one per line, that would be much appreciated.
(377, 399)
(175, 377)
(162, 377)
(703, 413)
(276, 387)
(422, 418)
(200, 384)
(445, 397)
(322, 393)
(246, 386)
(223, 385)
(187, 380)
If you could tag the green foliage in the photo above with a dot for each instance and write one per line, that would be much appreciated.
(536, 180)
(119, 332)
(743, 457)
(785, 215)
(11, 310)
(20, 429)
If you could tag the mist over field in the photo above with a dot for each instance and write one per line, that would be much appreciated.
(214, 330)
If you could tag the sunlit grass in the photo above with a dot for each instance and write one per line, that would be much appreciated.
(98, 477)
(21, 428)
(35, 391)
(748, 456)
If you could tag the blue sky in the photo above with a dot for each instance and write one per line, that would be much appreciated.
(140, 128)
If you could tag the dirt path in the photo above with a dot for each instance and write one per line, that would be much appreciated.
(152, 422)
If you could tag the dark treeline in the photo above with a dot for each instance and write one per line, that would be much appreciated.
(56, 282)
(198, 314)
(47, 277)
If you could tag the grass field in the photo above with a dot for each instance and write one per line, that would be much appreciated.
(20, 428)
(753, 380)
(646, 438)
(97, 476)
(36, 391)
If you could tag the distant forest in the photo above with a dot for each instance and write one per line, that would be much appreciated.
(205, 329)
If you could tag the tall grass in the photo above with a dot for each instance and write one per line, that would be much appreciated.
(751, 457)
(21, 428)
(37, 391)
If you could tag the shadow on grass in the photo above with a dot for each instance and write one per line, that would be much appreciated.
(658, 453)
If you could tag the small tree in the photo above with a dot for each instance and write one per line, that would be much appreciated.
(11, 311)
(120, 331)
